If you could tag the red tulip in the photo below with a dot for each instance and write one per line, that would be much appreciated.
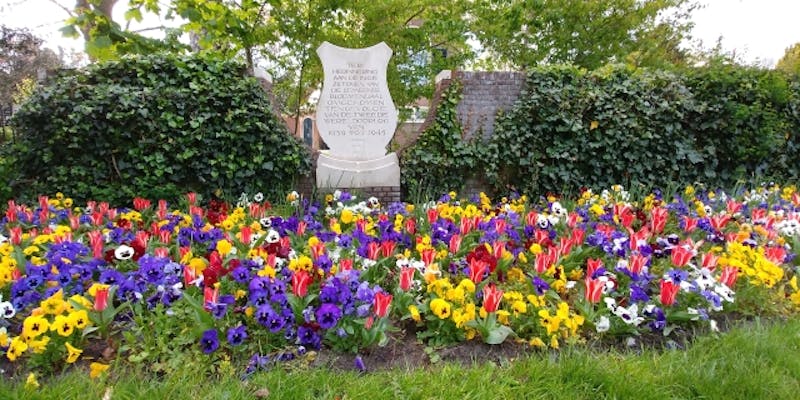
(491, 297)
(101, 299)
(729, 275)
(638, 237)
(455, 243)
(592, 265)
(191, 197)
(681, 256)
(576, 237)
(346, 264)
(433, 215)
(719, 221)
(411, 226)
(246, 234)
(564, 246)
(709, 261)
(476, 270)
(637, 263)
(300, 281)
(500, 225)
(372, 250)
(140, 203)
(387, 248)
(381, 304)
(668, 292)
(594, 289)
(531, 218)
(301, 227)
(689, 223)
(16, 235)
(734, 207)
(427, 256)
(775, 254)
(11, 212)
(406, 278)
(658, 219)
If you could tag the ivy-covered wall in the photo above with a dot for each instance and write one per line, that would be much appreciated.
(570, 128)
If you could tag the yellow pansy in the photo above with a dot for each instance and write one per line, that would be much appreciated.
(224, 247)
(440, 308)
(96, 369)
(72, 353)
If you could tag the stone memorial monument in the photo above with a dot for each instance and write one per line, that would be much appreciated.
(356, 118)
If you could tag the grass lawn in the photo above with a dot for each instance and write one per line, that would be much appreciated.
(752, 361)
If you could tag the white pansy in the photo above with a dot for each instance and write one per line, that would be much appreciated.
(337, 194)
(273, 236)
(725, 292)
(258, 197)
(629, 315)
(7, 309)
(611, 304)
(124, 252)
(603, 324)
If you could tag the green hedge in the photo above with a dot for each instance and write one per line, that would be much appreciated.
(156, 126)
(717, 125)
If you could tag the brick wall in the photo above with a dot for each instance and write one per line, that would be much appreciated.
(483, 96)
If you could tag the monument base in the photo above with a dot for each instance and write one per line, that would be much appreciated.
(337, 173)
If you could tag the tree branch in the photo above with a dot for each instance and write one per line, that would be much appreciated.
(67, 10)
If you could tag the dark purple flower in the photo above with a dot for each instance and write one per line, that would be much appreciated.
(359, 364)
(209, 342)
(328, 315)
(540, 285)
(237, 335)
(638, 294)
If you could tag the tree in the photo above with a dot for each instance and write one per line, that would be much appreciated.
(285, 35)
(589, 34)
(790, 62)
(21, 58)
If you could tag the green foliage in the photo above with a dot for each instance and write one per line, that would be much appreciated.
(790, 62)
(717, 125)
(584, 33)
(157, 127)
(441, 159)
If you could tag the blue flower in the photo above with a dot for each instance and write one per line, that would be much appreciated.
(328, 315)
(540, 285)
(237, 335)
(209, 342)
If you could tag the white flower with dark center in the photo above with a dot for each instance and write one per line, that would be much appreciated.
(725, 293)
(266, 222)
(603, 324)
(373, 202)
(542, 221)
(273, 236)
(3, 239)
(629, 315)
(6, 309)
(611, 304)
(258, 197)
(124, 252)
(558, 210)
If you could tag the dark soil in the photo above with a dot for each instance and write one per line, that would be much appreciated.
(406, 352)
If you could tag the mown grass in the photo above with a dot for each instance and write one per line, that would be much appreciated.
(753, 361)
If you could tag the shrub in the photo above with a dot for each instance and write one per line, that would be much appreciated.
(717, 125)
(155, 126)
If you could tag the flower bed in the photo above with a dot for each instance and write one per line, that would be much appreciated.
(243, 287)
